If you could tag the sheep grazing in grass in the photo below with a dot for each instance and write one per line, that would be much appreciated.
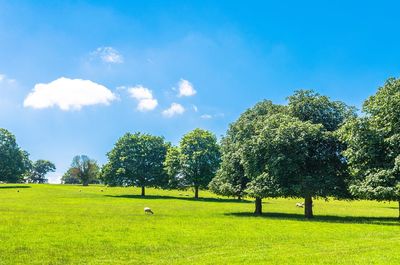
(148, 210)
(300, 204)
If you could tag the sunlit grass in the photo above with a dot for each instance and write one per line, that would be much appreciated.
(56, 224)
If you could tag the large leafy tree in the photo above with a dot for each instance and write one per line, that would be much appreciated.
(373, 149)
(39, 170)
(196, 160)
(232, 179)
(14, 162)
(83, 169)
(137, 160)
(298, 158)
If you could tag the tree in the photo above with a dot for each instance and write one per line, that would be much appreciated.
(199, 158)
(14, 162)
(136, 160)
(298, 157)
(39, 170)
(234, 177)
(70, 178)
(172, 167)
(82, 168)
(373, 150)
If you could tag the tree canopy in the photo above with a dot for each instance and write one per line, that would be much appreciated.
(83, 170)
(196, 160)
(39, 170)
(373, 150)
(137, 160)
(14, 162)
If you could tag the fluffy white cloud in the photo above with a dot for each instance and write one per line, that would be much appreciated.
(144, 96)
(174, 109)
(185, 88)
(108, 55)
(68, 94)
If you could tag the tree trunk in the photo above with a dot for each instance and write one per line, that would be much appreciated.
(308, 211)
(258, 209)
(239, 198)
(85, 183)
(196, 192)
(143, 191)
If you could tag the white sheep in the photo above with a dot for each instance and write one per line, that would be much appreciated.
(300, 204)
(148, 210)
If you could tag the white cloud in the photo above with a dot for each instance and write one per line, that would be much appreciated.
(6, 80)
(68, 94)
(206, 116)
(195, 108)
(185, 88)
(211, 116)
(108, 55)
(174, 109)
(144, 96)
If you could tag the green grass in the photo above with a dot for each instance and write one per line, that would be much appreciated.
(56, 224)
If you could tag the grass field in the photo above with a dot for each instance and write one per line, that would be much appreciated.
(56, 224)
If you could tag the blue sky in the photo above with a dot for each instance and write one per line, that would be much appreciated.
(77, 75)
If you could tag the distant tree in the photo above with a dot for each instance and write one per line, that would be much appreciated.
(39, 170)
(373, 149)
(70, 178)
(172, 168)
(136, 160)
(82, 168)
(199, 158)
(14, 162)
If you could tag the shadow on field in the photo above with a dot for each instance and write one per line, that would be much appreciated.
(324, 218)
(159, 197)
(15, 187)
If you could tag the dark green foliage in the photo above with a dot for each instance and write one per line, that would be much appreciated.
(373, 149)
(232, 179)
(39, 170)
(137, 160)
(196, 161)
(14, 162)
(308, 105)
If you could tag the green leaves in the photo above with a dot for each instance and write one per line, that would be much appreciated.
(195, 161)
(14, 162)
(136, 160)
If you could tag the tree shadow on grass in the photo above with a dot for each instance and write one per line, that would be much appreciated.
(159, 197)
(393, 221)
(15, 187)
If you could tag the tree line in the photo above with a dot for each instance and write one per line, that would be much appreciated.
(312, 147)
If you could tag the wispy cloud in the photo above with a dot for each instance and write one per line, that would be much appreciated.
(174, 109)
(185, 89)
(144, 96)
(206, 116)
(68, 94)
(108, 55)
(211, 116)
(6, 80)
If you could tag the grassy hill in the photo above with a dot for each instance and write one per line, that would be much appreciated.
(61, 224)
